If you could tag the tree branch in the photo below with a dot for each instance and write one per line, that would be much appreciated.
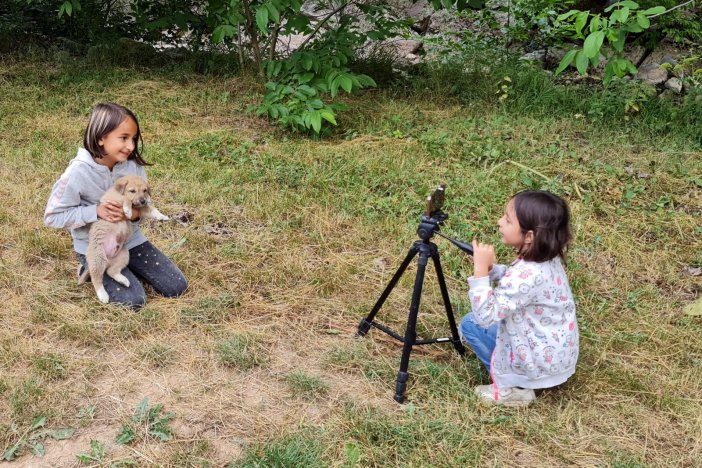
(322, 23)
(673, 8)
(241, 49)
(274, 41)
(253, 37)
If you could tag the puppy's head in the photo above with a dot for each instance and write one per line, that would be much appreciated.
(134, 189)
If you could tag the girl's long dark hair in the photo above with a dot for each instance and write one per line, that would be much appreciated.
(548, 217)
(105, 117)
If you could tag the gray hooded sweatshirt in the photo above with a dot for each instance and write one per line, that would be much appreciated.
(75, 196)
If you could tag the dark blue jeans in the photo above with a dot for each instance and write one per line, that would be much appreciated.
(148, 263)
(481, 340)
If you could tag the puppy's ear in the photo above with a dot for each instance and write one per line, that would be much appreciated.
(121, 186)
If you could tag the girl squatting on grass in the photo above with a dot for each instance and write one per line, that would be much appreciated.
(524, 329)
(111, 150)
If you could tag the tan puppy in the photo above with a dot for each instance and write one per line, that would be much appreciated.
(106, 252)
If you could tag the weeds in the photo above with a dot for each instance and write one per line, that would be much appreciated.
(292, 451)
(51, 366)
(96, 454)
(32, 439)
(147, 422)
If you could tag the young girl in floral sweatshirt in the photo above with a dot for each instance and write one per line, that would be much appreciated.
(524, 328)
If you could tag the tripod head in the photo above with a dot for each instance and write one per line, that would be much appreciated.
(430, 224)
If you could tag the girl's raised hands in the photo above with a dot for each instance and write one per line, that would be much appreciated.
(483, 258)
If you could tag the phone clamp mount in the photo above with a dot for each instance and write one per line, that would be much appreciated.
(429, 225)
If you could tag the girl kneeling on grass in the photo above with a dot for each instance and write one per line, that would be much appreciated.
(111, 150)
(524, 329)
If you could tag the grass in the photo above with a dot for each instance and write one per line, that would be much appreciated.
(306, 386)
(243, 351)
(287, 242)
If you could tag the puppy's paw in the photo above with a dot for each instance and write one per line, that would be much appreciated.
(157, 215)
(121, 279)
(103, 297)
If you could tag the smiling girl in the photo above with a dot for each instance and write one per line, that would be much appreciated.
(110, 150)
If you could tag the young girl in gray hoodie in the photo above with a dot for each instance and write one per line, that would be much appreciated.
(110, 150)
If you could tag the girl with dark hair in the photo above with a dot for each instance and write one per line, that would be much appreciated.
(524, 329)
(110, 150)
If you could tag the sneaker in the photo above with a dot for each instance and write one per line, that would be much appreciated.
(509, 396)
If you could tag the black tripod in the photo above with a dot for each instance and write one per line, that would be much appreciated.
(427, 227)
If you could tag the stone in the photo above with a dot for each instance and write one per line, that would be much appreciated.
(555, 54)
(635, 53)
(663, 53)
(535, 56)
(406, 47)
(669, 60)
(674, 84)
(652, 73)
(413, 59)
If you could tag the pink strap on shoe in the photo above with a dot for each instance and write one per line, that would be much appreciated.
(492, 376)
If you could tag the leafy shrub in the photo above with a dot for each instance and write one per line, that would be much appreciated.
(87, 21)
(300, 83)
(623, 18)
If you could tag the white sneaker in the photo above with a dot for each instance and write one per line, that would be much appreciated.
(509, 396)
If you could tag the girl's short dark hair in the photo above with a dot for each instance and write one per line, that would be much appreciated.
(547, 216)
(105, 117)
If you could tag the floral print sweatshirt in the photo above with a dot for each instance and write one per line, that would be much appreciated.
(537, 338)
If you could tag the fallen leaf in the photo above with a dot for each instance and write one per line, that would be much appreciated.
(694, 309)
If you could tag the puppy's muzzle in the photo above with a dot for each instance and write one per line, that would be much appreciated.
(141, 202)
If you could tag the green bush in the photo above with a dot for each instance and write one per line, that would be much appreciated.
(37, 21)
(475, 75)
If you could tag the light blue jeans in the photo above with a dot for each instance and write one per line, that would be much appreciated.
(481, 340)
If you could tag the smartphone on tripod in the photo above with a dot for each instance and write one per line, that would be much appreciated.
(435, 201)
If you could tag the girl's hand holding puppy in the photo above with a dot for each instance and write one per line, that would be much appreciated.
(113, 212)
(483, 259)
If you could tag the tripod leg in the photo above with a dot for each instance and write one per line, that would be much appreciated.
(447, 303)
(410, 332)
(365, 324)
